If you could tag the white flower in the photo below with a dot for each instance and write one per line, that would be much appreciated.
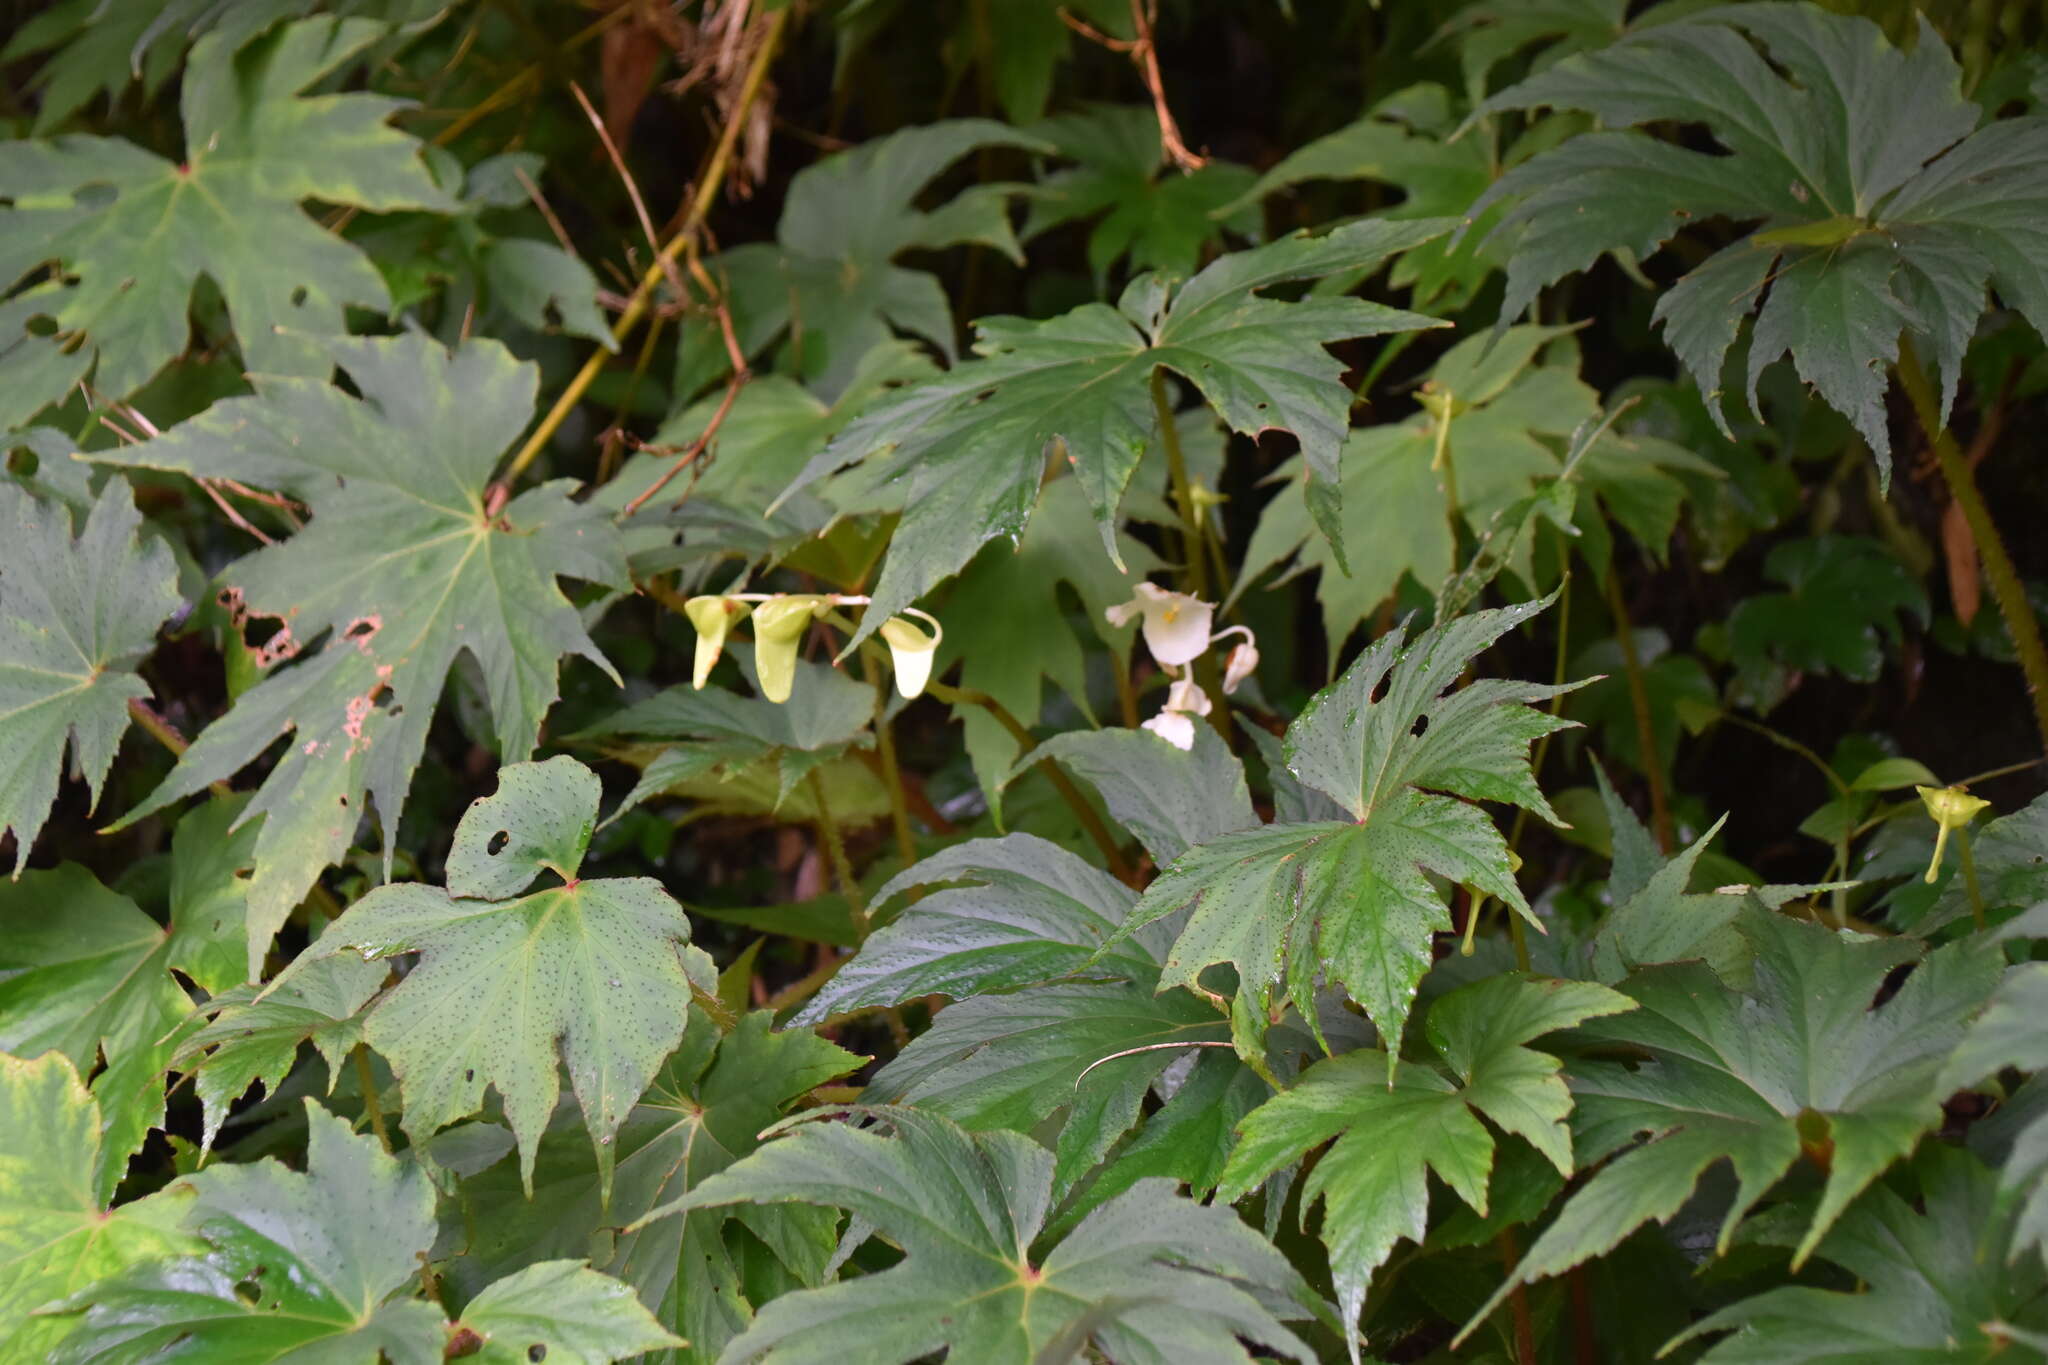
(1175, 723)
(1176, 625)
(911, 649)
(779, 626)
(1243, 662)
(714, 618)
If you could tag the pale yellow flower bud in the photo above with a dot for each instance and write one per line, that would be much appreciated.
(714, 618)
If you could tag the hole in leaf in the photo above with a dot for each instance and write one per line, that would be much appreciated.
(469, 1074)
(299, 296)
(537, 1351)
(1421, 727)
(498, 842)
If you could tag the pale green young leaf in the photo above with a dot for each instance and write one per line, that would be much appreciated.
(1350, 901)
(400, 569)
(962, 456)
(76, 616)
(1373, 1181)
(1149, 1275)
(562, 1311)
(703, 1112)
(1798, 1063)
(591, 973)
(56, 1234)
(1883, 205)
(254, 148)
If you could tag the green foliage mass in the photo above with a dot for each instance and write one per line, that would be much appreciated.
(1143, 683)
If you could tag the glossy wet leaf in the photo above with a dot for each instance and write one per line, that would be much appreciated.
(134, 231)
(594, 974)
(79, 609)
(400, 570)
(1800, 1065)
(1349, 900)
(1149, 1275)
(963, 455)
(1373, 1181)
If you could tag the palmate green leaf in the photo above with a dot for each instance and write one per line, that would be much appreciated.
(97, 48)
(2013, 1031)
(85, 973)
(1799, 1064)
(132, 232)
(1405, 140)
(724, 733)
(963, 456)
(829, 280)
(596, 974)
(1884, 206)
(401, 570)
(1349, 901)
(1513, 402)
(76, 615)
(1682, 698)
(1373, 1182)
(315, 1266)
(1926, 1294)
(1844, 596)
(255, 1033)
(56, 1234)
(1149, 1276)
(1162, 218)
(704, 1111)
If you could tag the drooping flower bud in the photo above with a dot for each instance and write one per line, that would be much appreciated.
(911, 649)
(1243, 662)
(1176, 626)
(714, 618)
(779, 626)
(1952, 809)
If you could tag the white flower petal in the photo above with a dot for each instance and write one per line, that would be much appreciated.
(1176, 625)
(1175, 727)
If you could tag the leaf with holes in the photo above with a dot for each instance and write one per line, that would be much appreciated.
(596, 975)
(704, 1111)
(1797, 1065)
(131, 233)
(1373, 1182)
(963, 456)
(1351, 901)
(77, 614)
(1149, 1275)
(403, 567)
(1883, 205)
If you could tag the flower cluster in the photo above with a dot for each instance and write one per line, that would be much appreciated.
(1176, 627)
(780, 620)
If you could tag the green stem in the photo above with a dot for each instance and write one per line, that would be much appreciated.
(1639, 702)
(2006, 588)
(1976, 889)
(1516, 931)
(1098, 832)
(366, 1081)
(1193, 563)
(1838, 899)
(835, 853)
